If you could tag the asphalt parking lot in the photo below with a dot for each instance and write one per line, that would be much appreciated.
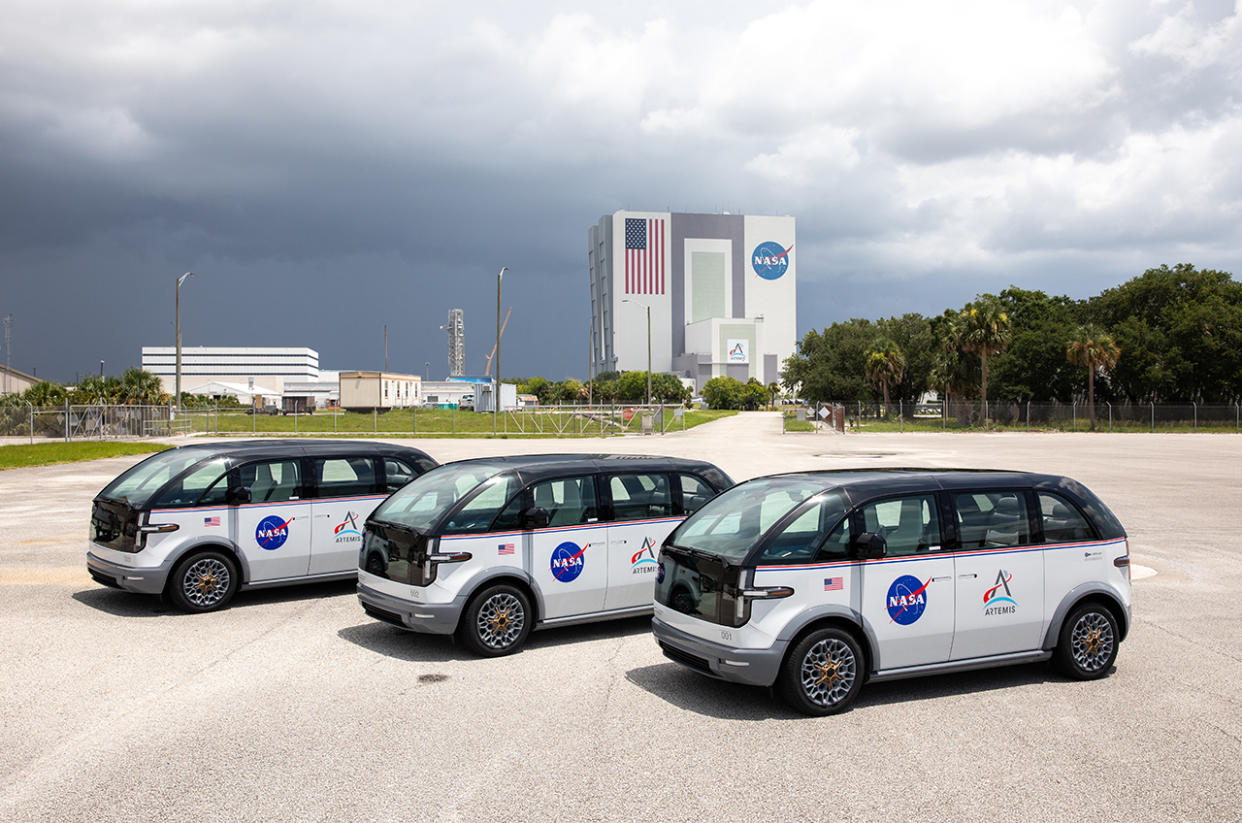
(293, 705)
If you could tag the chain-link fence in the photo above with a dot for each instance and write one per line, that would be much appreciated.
(965, 415)
(106, 422)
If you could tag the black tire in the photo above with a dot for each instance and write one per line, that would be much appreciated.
(497, 621)
(823, 673)
(203, 582)
(1088, 643)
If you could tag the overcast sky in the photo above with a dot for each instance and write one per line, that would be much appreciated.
(329, 167)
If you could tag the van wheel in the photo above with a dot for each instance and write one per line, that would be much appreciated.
(497, 621)
(823, 673)
(203, 582)
(1088, 644)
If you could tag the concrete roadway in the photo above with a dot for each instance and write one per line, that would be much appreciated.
(293, 705)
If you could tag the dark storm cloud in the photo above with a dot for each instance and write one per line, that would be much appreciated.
(328, 172)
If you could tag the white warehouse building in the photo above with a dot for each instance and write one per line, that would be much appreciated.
(265, 368)
(721, 290)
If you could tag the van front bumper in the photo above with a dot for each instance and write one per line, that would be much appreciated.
(129, 578)
(428, 618)
(754, 667)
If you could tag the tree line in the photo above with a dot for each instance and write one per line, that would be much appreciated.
(1168, 335)
(136, 387)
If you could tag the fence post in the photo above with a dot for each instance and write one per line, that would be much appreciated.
(335, 413)
(1110, 416)
(254, 418)
(1237, 419)
(375, 419)
(414, 417)
(295, 420)
(1074, 413)
(858, 419)
(1028, 415)
(66, 419)
(1153, 416)
(901, 417)
(1195, 409)
(31, 405)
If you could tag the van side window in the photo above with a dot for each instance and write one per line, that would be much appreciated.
(1063, 523)
(837, 544)
(992, 519)
(396, 474)
(276, 481)
(639, 496)
(569, 500)
(345, 476)
(694, 493)
(479, 512)
(909, 524)
(189, 489)
(796, 543)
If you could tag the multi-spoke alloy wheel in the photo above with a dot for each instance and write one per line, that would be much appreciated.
(501, 620)
(1088, 643)
(828, 671)
(203, 582)
(497, 621)
(822, 673)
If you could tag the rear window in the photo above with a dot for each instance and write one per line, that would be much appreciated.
(994, 519)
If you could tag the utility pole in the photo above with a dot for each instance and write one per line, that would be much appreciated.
(385, 347)
(8, 352)
(496, 394)
(180, 280)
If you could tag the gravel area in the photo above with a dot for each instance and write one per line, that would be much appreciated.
(294, 705)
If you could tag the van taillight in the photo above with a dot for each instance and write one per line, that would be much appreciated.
(1124, 560)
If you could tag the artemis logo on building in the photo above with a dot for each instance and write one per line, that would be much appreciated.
(737, 351)
(770, 260)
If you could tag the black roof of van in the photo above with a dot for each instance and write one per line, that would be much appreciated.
(532, 467)
(288, 447)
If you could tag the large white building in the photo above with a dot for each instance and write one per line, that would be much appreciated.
(268, 368)
(721, 290)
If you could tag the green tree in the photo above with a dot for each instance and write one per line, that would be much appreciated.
(44, 393)
(140, 387)
(1094, 348)
(885, 365)
(1033, 365)
(541, 387)
(985, 330)
(912, 333)
(830, 365)
(723, 393)
(753, 395)
(774, 391)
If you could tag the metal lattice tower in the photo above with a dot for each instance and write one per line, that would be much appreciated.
(456, 343)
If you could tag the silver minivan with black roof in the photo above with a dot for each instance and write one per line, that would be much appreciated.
(495, 547)
(816, 582)
(199, 522)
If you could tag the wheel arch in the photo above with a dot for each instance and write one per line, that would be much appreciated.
(512, 578)
(1087, 594)
(843, 619)
(207, 545)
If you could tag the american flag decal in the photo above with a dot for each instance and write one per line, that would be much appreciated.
(211, 521)
(644, 256)
(504, 548)
(833, 584)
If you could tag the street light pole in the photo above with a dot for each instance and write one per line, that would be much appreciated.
(496, 393)
(101, 369)
(180, 280)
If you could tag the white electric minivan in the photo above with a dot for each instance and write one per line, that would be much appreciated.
(494, 547)
(816, 582)
(199, 522)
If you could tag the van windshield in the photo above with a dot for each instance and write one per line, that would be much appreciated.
(424, 500)
(136, 486)
(730, 524)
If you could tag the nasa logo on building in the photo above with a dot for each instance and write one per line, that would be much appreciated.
(770, 260)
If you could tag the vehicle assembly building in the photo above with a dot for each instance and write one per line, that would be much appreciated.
(720, 291)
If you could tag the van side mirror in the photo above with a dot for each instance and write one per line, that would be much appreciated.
(239, 494)
(536, 517)
(871, 546)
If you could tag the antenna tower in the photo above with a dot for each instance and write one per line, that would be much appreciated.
(456, 328)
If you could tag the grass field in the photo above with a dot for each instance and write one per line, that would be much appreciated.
(548, 422)
(45, 454)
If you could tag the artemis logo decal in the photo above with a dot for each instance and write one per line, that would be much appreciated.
(907, 599)
(272, 532)
(568, 561)
(770, 260)
(994, 602)
(643, 561)
(347, 530)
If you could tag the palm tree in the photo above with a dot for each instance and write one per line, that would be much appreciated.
(1094, 348)
(885, 365)
(141, 387)
(985, 330)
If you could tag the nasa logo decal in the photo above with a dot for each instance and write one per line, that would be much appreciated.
(907, 599)
(272, 532)
(568, 561)
(770, 260)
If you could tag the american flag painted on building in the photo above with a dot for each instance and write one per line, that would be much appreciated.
(833, 584)
(504, 548)
(644, 255)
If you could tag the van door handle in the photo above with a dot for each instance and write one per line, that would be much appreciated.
(939, 579)
(967, 576)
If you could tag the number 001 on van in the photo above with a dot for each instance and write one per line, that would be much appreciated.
(817, 582)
